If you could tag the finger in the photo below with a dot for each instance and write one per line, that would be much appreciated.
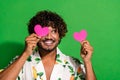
(34, 35)
(32, 39)
(89, 51)
(31, 42)
(85, 42)
(87, 46)
(83, 51)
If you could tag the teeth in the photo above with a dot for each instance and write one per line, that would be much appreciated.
(48, 42)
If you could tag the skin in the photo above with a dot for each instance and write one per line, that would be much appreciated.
(47, 50)
(86, 54)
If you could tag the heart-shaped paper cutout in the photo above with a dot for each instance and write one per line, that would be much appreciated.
(41, 31)
(80, 36)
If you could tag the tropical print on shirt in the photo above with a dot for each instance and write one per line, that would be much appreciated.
(65, 68)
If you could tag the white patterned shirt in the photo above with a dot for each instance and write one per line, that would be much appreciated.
(65, 68)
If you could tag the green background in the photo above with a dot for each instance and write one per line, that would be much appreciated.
(101, 19)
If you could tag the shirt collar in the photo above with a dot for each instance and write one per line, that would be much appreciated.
(35, 57)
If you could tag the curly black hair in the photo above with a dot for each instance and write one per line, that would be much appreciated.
(48, 18)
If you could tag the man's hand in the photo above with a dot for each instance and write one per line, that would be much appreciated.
(86, 51)
(12, 71)
(31, 43)
(86, 54)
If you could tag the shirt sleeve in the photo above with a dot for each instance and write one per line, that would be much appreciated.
(80, 69)
(20, 76)
(81, 72)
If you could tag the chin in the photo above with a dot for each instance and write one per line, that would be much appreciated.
(48, 48)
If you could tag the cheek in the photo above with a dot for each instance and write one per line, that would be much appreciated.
(56, 36)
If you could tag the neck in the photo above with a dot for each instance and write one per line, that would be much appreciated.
(48, 54)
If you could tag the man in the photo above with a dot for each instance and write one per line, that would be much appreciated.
(42, 59)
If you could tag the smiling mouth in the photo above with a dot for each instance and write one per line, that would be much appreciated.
(48, 42)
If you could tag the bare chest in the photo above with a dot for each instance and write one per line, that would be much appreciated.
(48, 66)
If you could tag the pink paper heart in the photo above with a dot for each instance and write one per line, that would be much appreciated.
(80, 36)
(41, 31)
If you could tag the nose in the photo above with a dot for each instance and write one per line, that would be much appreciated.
(48, 36)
